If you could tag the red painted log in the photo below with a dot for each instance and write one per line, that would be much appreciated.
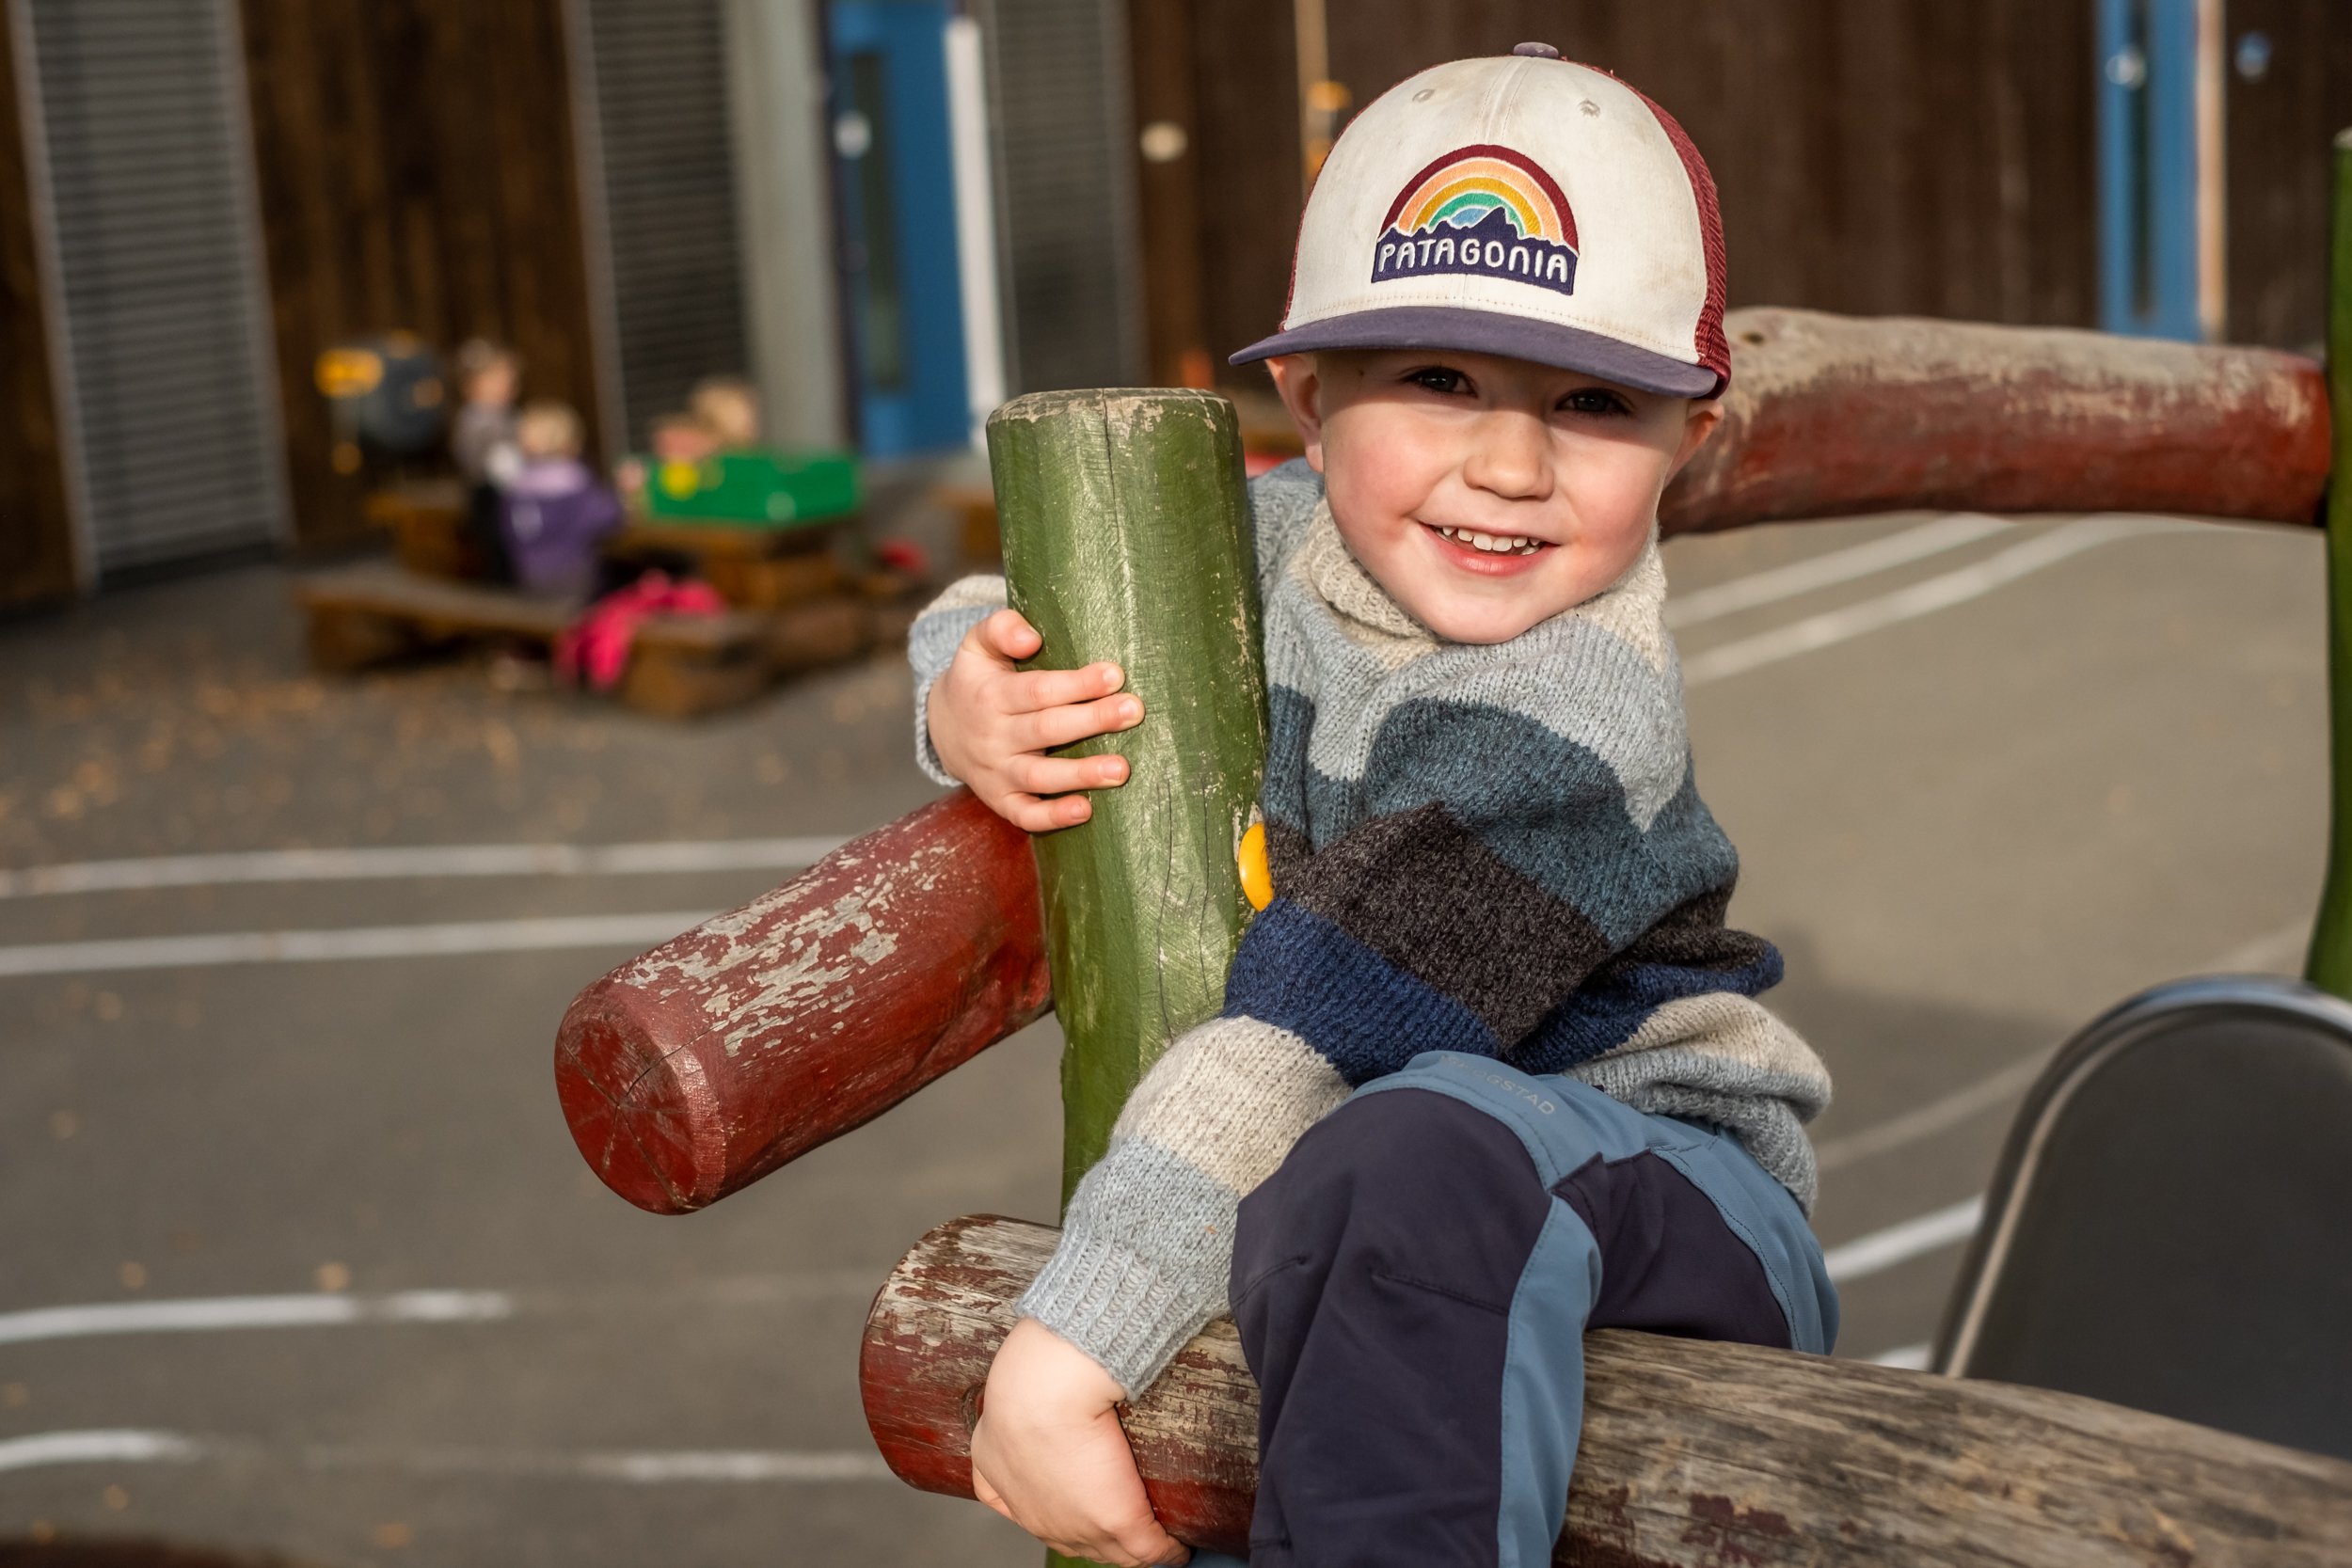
(717, 1058)
(1831, 416)
(1694, 1455)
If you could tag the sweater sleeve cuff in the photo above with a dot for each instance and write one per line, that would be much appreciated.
(1118, 1306)
(931, 645)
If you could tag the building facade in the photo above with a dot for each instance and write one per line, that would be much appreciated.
(892, 213)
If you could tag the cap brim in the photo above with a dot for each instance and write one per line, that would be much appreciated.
(1442, 326)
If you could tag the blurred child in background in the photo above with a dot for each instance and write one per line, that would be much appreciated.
(556, 511)
(481, 441)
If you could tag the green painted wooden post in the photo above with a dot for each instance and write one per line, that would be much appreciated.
(1126, 532)
(2331, 965)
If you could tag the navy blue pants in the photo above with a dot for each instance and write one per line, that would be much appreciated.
(1414, 1283)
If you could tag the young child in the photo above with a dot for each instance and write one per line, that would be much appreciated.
(728, 407)
(1490, 1069)
(482, 442)
(557, 512)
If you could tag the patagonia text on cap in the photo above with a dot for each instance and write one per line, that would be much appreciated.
(1521, 205)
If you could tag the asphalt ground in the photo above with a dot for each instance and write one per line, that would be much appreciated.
(1981, 795)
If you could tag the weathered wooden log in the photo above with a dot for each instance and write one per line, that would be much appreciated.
(751, 1039)
(1827, 416)
(1831, 416)
(1694, 1455)
(1127, 538)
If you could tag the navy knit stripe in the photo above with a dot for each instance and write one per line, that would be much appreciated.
(1363, 1014)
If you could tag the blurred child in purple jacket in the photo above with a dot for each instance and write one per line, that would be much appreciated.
(557, 511)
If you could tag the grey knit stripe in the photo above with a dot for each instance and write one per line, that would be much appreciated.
(1602, 674)
(1584, 684)
(1282, 503)
(1232, 1094)
(1760, 1105)
(1142, 1262)
(931, 645)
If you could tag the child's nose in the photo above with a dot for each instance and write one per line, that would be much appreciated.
(1510, 455)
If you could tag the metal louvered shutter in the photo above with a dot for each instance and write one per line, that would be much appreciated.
(137, 121)
(1058, 71)
(659, 174)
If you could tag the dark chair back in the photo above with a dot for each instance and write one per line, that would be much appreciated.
(2170, 1224)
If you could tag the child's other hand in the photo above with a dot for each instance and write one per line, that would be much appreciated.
(1048, 1454)
(993, 725)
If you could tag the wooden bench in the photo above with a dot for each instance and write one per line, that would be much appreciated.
(679, 665)
(752, 567)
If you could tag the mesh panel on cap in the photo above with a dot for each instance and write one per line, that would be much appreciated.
(1714, 351)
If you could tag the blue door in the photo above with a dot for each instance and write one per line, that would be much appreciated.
(889, 77)
(2147, 168)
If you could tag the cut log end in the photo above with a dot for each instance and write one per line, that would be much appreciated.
(731, 1050)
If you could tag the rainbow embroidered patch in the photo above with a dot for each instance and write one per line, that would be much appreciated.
(1485, 210)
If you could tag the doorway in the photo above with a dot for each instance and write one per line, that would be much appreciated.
(891, 139)
(2159, 168)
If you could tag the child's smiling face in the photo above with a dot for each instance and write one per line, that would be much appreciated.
(1424, 452)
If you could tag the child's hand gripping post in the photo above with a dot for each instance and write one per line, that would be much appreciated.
(1048, 1454)
(995, 725)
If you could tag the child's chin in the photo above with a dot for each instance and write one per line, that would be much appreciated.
(1478, 623)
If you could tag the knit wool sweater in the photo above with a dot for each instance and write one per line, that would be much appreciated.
(1490, 849)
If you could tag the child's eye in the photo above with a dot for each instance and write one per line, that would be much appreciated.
(1439, 379)
(1593, 400)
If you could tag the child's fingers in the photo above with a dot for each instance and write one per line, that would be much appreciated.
(986, 1492)
(1008, 635)
(1033, 816)
(1146, 1544)
(1049, 727)
(1036, 775)
(1044, 689)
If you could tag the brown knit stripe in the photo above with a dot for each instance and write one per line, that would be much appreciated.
(1693, 936)
(1419, 889)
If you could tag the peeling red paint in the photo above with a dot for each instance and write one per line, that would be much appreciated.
(721, 1055)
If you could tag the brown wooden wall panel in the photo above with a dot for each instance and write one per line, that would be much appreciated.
(2277, 133)
(1874, 156)
(416, 170)
(1167, 193)
(1246, 85)
(35, 521)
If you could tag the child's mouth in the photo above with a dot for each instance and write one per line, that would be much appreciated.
(1487, 552)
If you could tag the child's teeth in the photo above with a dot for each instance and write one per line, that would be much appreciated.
(1492, 544)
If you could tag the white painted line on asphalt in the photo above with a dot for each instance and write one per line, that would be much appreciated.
(1913, 600)
(1828, 569)
(453, 940)
(216, 1313)
(732, 1465)
(2278, 952)
(1884, 1249)
(312, 1309)
(1934, 1116)
(417, 861)
(95, 1447)
(646, 1467)
(1910, 1358)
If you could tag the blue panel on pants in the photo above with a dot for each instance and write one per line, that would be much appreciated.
(1572, 1132)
